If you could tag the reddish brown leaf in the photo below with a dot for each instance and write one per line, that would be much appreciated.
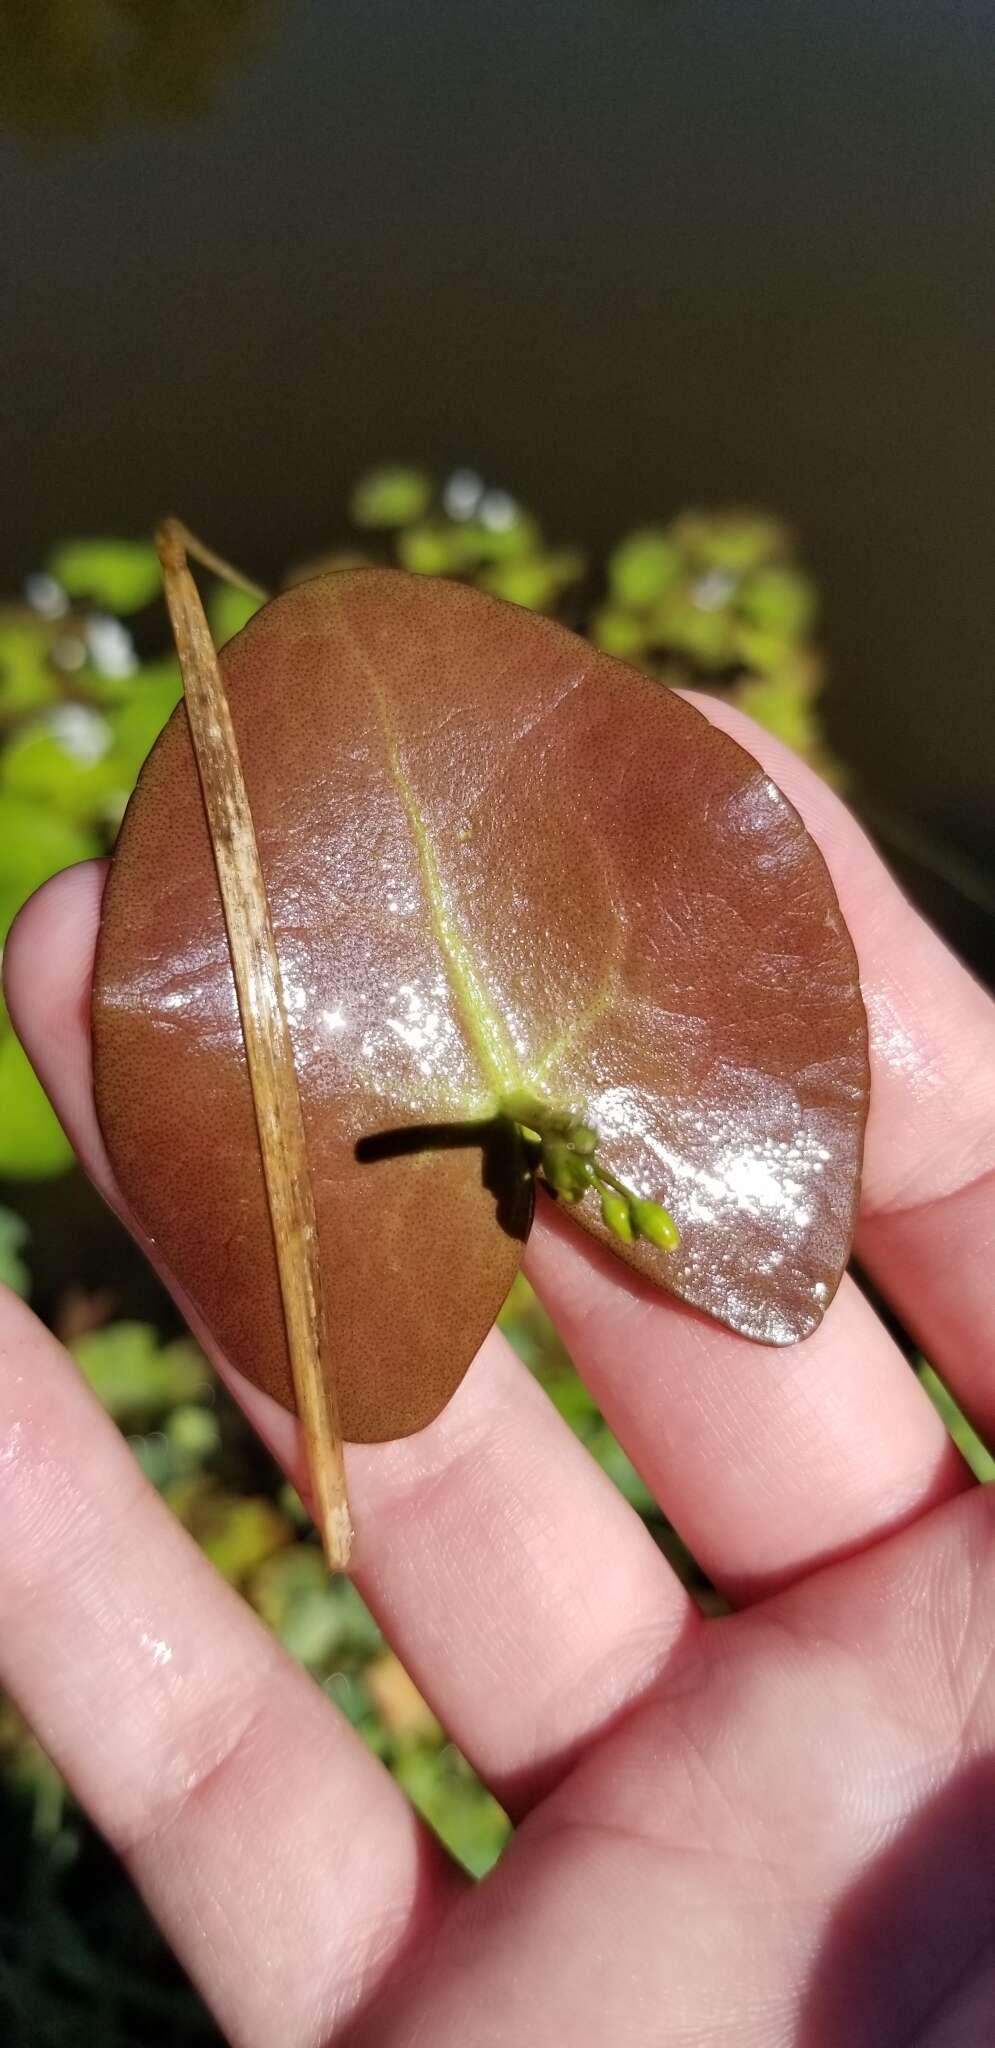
(494, 859)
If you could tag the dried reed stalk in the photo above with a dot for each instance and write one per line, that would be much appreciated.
(268, 1048)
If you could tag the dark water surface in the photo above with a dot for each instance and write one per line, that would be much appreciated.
(623, 254)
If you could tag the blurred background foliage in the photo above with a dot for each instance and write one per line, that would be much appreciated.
(80, 65)
(720, 599)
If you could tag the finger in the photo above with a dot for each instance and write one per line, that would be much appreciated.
(284, 1865)
(521, 1592)
(793, 1845)
(927, 1228)
(770, 1462)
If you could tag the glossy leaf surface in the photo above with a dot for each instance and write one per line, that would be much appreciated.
(495, 861)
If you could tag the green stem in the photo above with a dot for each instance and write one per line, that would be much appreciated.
(567, 1146)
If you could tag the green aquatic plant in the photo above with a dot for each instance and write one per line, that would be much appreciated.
(421, 1016)
(97, 644)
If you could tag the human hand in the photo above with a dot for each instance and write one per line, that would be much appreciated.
(775, 1828)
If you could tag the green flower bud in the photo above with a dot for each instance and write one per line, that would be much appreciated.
(616, 1212)
(653, 1223)
(565, 1172)
(583, 1139)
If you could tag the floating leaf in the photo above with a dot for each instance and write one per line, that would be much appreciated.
(496, 862)
(118, 575)
(392, 496)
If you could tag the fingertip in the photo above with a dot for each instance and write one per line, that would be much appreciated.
(47, 978)
(861, 878)
(48, 953)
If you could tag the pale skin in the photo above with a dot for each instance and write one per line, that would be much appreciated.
(775, 1830)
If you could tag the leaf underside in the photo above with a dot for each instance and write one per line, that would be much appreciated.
(494, 861)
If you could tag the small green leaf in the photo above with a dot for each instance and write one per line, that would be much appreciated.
(236, 1531)
(738, 542)
(705, 638)
(66, 760)
(536, 582)
(462, 1812)
(229, 609)
(433, 549)
(392, 496)
(33, 1144)
(619, 632)
(779, 599)
(137, 1378)
(137, 723)
(517, 535)
(783, 704)
(193, 1435)
(642, 569)
(26, 679)
(35, 842)
(13, 1237)
(119, 575)
(761, 649)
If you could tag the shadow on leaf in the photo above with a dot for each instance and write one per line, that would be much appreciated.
(504, 1166)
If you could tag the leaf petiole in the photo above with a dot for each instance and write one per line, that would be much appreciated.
(564, 1150)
